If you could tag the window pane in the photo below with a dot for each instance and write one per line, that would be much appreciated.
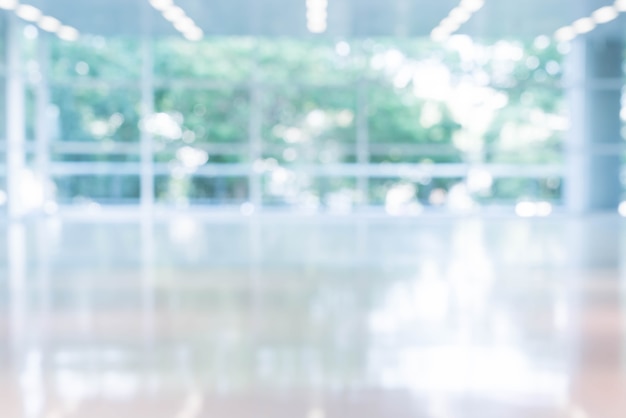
(97, 114)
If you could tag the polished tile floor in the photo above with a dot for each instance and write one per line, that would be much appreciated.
(275, 317)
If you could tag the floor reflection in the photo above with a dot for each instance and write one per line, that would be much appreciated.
(315, 318)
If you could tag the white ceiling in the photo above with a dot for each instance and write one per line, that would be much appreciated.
(347, 18)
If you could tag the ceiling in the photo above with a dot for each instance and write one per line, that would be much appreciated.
(346, 18)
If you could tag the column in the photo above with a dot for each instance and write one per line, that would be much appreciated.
(594, 82)
(43, 128)
(15, 115)
(255, 192)
(146, 140)
(362, 143)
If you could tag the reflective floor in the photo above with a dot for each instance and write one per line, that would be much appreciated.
(276, 317)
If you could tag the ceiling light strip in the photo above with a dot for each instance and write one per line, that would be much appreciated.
(317, 15)
(179, 19)
(34, 15)
(455, 19)
(584, 25)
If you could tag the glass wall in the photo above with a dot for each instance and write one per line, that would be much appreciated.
(403, 126)
(3, 69)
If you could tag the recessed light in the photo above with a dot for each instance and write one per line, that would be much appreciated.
(605, 14)
(8, 4)
(460, 15)
(184, 24)
(439, 34)
(173, 13)
(565, 34)
(179, 19)
(472, 5)
(584, 25)
(194, 34)
(28, 12)
(68, 33)
(161, 4)
(449, 25)
(620, 5)
(49, 24)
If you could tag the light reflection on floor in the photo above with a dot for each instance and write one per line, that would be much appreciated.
(313, 318)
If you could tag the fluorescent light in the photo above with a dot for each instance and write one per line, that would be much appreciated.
(68, 33)
(449, 25)
(161, 5)
(584, 25)
(453, 21)
(317, 15)
(472, 5)
(28, 12)
(8, 4)
(317, 24)
(460, 15)
(194, 34)
(173, 13)
(587, 24)
(49, 24)
(439, 34)
(565, 34)
(317, 28)
(317, 4)
(179, 19)
(620, 5)
(605, 14)
(184, 24)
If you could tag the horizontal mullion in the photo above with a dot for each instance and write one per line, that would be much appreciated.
(216, 84)
(334, 170)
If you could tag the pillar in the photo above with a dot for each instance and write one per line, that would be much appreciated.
(146, 139)
(43, 127)
(362, 143)
(15, 116)
(255, 146)
(593, 80)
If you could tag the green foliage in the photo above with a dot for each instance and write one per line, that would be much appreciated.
(213, 115)
(312, 99)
